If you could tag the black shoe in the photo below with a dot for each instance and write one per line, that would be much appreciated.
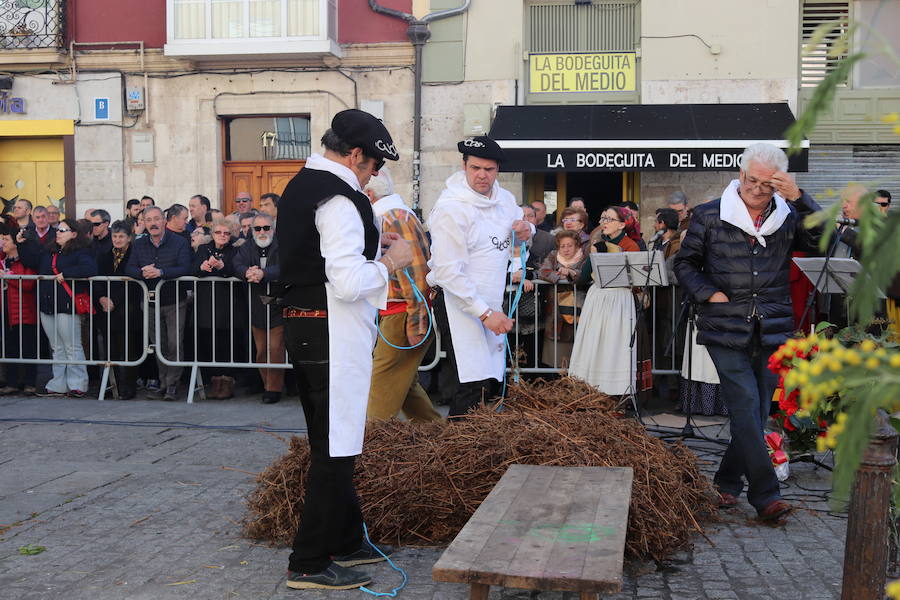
(271, 397)
(364, 556)
(127, 394)
(334, 577)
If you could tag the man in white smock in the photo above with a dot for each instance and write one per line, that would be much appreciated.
(336, 279)
(472, 227)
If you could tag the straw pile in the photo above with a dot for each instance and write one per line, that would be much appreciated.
(421, 483)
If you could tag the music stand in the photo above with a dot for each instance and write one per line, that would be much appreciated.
(831, 275)
(628, 270)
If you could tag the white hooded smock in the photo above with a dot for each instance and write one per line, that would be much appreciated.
(471, 235)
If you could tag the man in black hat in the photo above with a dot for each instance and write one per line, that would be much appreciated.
(336, 279)
(473, 226)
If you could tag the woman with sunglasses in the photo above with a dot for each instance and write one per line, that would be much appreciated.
(213, 307)
(601, 354)
(70, 257)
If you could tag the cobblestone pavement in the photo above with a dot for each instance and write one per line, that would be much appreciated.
(153, 512)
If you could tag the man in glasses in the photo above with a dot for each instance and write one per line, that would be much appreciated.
(256, 261)
(330, 252)
(243, 203)
(100, 220)
(883, 200)
(735, 264)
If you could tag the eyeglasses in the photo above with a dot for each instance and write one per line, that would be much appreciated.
(610, 220)
(242, 200)
(97, 223)
(61, 230)
(883, 203)
(262, 227)
(221, 233)
(763, 185)
(571, 220)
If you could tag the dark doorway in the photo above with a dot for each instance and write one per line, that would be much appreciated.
(599, 190)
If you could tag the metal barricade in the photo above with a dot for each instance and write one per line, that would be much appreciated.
(536, 350)
(228, 295)
(22, 343)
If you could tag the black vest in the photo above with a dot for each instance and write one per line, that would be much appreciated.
(302, 265)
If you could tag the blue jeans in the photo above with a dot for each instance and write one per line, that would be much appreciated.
(746, 386)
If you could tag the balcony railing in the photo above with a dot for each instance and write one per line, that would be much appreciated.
(32, 24)
(232, 28)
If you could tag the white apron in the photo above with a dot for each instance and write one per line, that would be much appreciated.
(480, 353)
(355, 290)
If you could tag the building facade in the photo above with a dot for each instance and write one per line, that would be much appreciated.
(608, 100)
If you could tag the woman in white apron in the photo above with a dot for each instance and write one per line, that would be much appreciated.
(601, 355)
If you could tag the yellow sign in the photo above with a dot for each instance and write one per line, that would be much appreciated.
(582, 72)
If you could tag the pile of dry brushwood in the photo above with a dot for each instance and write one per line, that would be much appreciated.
(419, 484)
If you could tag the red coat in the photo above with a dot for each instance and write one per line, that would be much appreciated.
(23, 289)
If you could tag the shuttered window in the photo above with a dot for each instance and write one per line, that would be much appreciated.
(815, 62)
(597, 27)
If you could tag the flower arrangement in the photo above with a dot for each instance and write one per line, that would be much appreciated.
(798, 425)
(843, 383)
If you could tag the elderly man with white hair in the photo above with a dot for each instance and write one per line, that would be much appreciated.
(404, 323)
(256, 262)
(735, 264)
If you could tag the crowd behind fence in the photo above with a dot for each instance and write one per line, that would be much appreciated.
(219, 325)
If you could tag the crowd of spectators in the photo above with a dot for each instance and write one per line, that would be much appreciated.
(79, 313)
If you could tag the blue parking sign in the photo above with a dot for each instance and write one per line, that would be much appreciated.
(101, 109)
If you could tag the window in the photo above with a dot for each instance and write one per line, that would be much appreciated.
(815, 63)
(883, 22)
(599, 27)
(221, 27)
(267, 138)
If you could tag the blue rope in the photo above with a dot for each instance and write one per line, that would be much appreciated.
(420, 297)
(393, 592)
(513, 306)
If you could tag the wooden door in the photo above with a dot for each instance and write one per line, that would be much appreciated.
(257, 178)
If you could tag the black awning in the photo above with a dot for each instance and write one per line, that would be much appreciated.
(639, 137)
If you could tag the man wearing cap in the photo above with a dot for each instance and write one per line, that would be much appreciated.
(473, 225)
(336, 279)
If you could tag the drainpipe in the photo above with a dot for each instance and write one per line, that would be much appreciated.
(418, 33)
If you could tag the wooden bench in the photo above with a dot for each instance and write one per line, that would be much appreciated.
(545, 528)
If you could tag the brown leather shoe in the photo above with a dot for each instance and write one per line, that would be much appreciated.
(226, 387)
(214, 390)
(777, 510)
(727, 500)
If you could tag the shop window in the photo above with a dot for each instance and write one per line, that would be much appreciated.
(217, 27)
(267, 138)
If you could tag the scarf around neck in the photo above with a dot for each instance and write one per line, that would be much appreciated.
(733, 210)
(570, 264)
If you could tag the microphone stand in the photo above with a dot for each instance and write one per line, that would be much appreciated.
(838, 237)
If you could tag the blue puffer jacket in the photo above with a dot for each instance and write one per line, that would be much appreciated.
(53, 297)
(717, 256)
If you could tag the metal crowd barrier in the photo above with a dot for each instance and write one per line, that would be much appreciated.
(239, 297)
(14, 346)
(535, 351)
(538, 351)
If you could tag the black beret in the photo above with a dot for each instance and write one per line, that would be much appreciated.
(360, 129)
(482, 147)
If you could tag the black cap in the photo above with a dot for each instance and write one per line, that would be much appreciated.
(482, 147)
(360, 129)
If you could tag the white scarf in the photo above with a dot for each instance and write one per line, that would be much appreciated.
(733, 210)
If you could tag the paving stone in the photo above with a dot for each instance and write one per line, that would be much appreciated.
(149, 513)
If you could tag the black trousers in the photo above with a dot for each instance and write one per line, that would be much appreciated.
(21, 375)
(331, 523)
(466, 396)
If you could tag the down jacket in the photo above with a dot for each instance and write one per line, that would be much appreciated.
(717, 256)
